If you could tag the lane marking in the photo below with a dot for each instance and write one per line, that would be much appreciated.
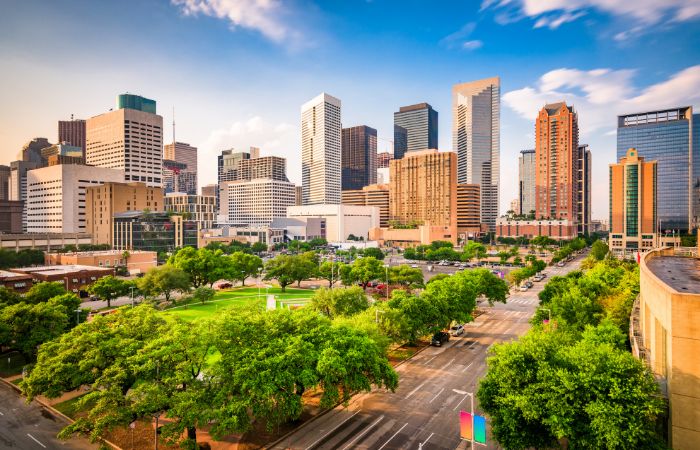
(363, 433)
(445, 366)
(36, 440)
(467, 368)
(428, 361)
(457, 391)
(332, 430)
(425, 441)
(404, 426)
(436, 395)
(460, 402)
(1, 414)
(417, 387)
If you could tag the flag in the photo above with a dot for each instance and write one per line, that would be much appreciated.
(465, 425)
(480, 429)
(638, 257)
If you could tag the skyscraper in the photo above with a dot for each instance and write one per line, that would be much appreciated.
(72, 132)
(383, 159)
(31, 151)
(321, 150)
(359, 157)
(5, 182)
(129, 138)
(668, 137)
(583, 189)
(476, 139)
(186, 154)
(526, 182)
(415, 128)
(228, 162)
(633, 204)
(556, 154)
(18, 184)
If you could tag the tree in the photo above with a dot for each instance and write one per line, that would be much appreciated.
(340, 302)
(245, 265)
(203, 294)
(305, 266)
(164, 280)
(365, 270)
(474, 250)
(406, 276)
(71, 303)
(330, 271)
(25, 326)
(412, 316)
(204, 266)
(374, 252)
(108, 288)
(258, 247)
(8, 297)
(42, 292)
(599, 250)
(281, 268)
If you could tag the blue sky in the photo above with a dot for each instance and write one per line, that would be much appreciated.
(237, 71)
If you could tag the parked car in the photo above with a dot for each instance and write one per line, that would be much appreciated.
(523, 288)
(529, 284)
(439, 338)
(414, 266)
(560, 264)
(457, 330)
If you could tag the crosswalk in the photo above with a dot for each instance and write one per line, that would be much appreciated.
(523, 301)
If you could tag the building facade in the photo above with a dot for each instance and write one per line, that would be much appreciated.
(104, 201)
(415, 129)
(11, 216)
(31, 151)
(342, 221)
(526, 182)
(72, 132)
(383, 159)
(75, 278)
(372, 195)
(321, 150)
(210, 190)
(468, 210)
(152, 231)
(633, 205)
(129, 138)
(176, 178)
(56, 196)
(359, 157)
(17, 188)
(270, 167)
(183, 153)
(476, 116)
(255, 202)
(558, 229)
(245, 234)
(583, 190)
(5, 173)
(200, 208)
(135, 261)
(668, 137)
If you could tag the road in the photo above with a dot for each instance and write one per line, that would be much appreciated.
(28, 427)
(434, 386)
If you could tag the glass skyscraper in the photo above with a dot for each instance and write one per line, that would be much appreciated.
(669, 138)
(415, 128)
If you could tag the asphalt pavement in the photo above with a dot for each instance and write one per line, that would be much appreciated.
(434, 386)
(30, 426)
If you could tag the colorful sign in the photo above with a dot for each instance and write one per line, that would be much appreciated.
(472, 427)
(465, 425)
(480, 429)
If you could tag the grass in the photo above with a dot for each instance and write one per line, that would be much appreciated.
(238, 297)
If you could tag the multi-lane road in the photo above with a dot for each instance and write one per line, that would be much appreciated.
(434, 386)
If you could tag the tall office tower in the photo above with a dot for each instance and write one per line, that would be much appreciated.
(423, 189)
(468, 210)
(583, 189)
(176, 178)
(31, 151)
(476, 134)
(272, 167)
(321, 150)
(383, 159)
(129, 138)
(526, 182)
(228, 162)
(199, 208)
(209, 190)
(372, 195)
(298, 195)
(187, 155)
(633, 204)
(556, 155)
(415, 128)
(255, 202)
(105, 200)
(5, 182)
(671, 137)
(56, 200)
(61, 149)
(72, 132)
(359, 157)
(18, 184)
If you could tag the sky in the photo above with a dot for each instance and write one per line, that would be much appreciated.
(236, 72)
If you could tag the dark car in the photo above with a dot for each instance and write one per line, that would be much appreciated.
(439, 338)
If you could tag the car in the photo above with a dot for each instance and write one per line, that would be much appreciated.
(457, 330)
(538, 278)
(414, 266)
(529, 284)
(439, 338)
(523, 288)
(560, 264)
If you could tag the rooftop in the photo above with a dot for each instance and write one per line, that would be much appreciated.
(103, 253)
(60, 270)
(680, 273)
(6, 274)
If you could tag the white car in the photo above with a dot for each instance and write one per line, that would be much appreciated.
(414, 266)
(560, 264)
(457, 330)
(523, 288)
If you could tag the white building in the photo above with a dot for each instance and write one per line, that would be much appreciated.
(321, 150)
(341, 220)
(254, 202)
(383, 175)
(128, 139)
(56, 196)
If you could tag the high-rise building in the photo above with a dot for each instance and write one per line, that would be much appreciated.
(556, 155)
(11, 216)
(298, 195)
(272, 167)
(423, 189)
(18, 184)
(526, 182)
(153, 231)
(468, 210)
(72, 132)
(129, 138)
(372, 195)
(515, 206)
(321, 150)
(359, 157)
(5, 172)
(209, 190)
(176, 177)
(61, 149)
(31, 151)
(255, 202)
(228, 162)
(583, 189)
(104, 201)
(476, 139)
(671, 138)
(199, 208)
(633, 204)
(186, 154)
(383, 159)
(415, 129)
(56, 198)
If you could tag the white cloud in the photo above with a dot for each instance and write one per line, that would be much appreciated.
(265, 16)
(459, 39)
(600, 95)
(472, 45)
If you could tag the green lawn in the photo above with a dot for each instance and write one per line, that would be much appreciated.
(240, 296)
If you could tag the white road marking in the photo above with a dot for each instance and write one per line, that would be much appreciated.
(460, 402)
(1, 414)
(417, 387)
(436, 395)
(428, 361)
(445, 366)
(457, 391)
(404, 426)
(467, 368)
(36, 440)
(425, 441)
(363, 432)
(333, 429)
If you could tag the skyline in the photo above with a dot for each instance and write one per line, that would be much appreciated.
(237, 72)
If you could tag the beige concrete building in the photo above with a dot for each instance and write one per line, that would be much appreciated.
(272, 167)
(57, 197)
(255, 202)
(665, 333)
(102, 202)
(372, 195)
(341, 220)
(468, 210)
(135, 261)
(200, 208)
(411, 237)
(128, 139)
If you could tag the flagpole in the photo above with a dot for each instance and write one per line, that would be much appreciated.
(471, 395)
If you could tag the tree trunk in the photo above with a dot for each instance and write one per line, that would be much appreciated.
(109, 302)
(243, 281)
(192, 435)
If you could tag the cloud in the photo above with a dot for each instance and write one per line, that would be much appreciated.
(265, 16)
(472, 45)
(459, 39)
(600, 95)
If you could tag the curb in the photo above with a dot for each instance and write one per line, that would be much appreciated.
(55, 412)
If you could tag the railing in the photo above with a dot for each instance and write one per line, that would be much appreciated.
(639, 350)
(686, 251)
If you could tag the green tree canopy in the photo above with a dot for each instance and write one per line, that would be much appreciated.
(406, 276)
(330, 271)
(374, 252)
(108, 288)
(599, 250)
(245, 266)
(25, 326)
(346, 301)
(164, 280)
(42, 292)
(281, 268)
(365, 270)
